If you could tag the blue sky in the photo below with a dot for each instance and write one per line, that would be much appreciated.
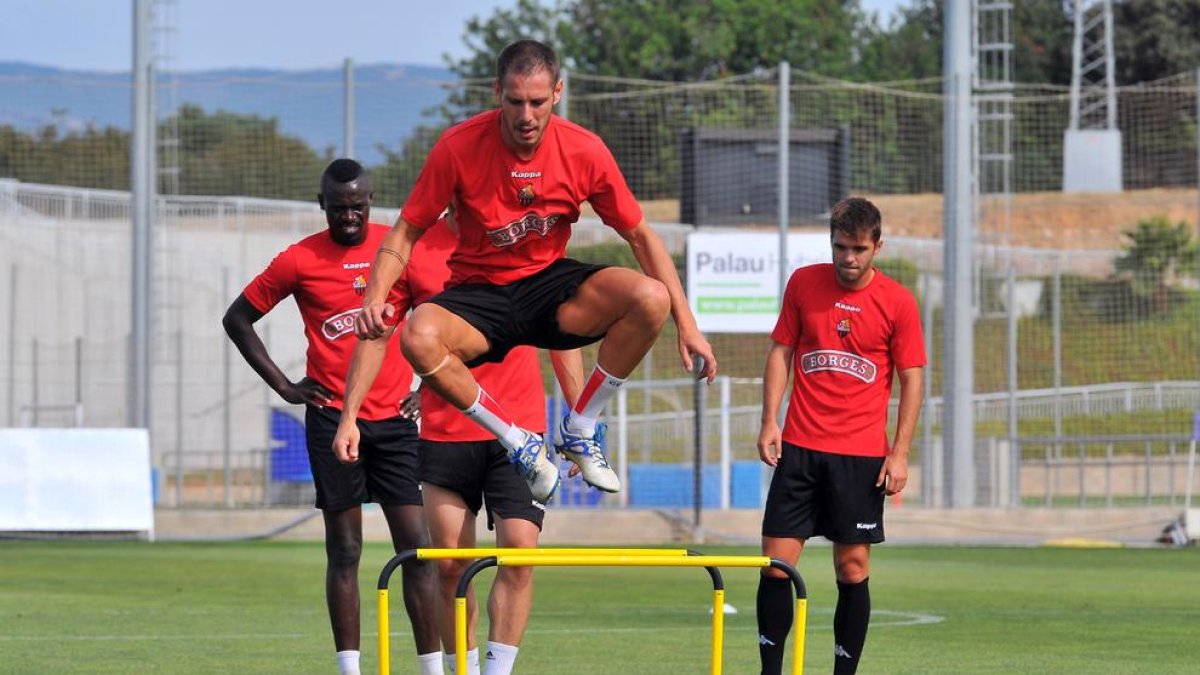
(95, 34)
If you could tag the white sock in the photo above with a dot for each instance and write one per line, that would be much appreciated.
(472, 663)
(597, 391)
(348, 662)
(430, 664)
(488, 414)
(500, 658)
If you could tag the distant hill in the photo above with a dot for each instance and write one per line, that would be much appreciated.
(390, 99)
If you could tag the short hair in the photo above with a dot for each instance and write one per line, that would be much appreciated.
(525, 57)
(342, 171)
(853, 215)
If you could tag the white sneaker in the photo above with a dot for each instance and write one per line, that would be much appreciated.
(588, 455)
(535, 467)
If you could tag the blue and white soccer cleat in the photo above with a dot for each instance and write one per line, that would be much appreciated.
(588, 455)
(539, 472)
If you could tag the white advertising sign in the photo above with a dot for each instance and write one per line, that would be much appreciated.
(75, 480)
(733, 278)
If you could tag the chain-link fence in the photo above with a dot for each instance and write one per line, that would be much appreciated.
(1084, 308)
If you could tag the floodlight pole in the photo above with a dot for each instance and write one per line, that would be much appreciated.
(348, 109)
(141, 201)
(785, 125)
(958, 223)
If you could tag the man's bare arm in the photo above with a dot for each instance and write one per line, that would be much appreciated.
(390, 260)
(657, 264)
(775, 379)
(364, 368)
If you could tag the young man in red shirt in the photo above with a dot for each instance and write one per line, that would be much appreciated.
(326, 274)
(516, 177)
(844, 331)
(463, 467)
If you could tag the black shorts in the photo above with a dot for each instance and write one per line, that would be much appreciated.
(825, 494)
(479, 472)
(386, 470)
(523, 312)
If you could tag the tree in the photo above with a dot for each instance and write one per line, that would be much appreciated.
(910, 47)
(1154, 39)
(220, 154)
(670, 40)
(1158, 252)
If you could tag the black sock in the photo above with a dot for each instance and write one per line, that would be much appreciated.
(776, 611)
(850, 621)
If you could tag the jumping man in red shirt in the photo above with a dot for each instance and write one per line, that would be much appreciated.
(844, 331)
(326, 273)
(464, 468)
(516, 177)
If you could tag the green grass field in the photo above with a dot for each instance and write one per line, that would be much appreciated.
(114, 607)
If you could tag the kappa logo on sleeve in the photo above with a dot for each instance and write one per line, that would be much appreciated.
(339, 324)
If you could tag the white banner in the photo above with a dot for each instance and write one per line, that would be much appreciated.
(75, 480)
(733, 278)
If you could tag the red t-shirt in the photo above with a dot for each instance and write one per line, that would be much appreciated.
(848, 345)
(515, 383)
(328, 280)
(515, 216)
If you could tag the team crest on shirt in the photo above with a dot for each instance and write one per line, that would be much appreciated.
(843, 328)
(526, 195)
(360, 284)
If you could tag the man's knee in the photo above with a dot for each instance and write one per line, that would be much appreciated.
(420, 341)
(343, 552)
(650, 296)
(448, 573)
(516, 579)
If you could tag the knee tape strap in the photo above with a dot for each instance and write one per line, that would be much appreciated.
(439, 366)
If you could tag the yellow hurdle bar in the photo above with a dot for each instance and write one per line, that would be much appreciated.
(617, 560)
(582, 557)
(466, 553)
(382, 621)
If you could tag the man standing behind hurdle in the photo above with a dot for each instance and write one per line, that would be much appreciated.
(326, 274)
(516, 178)
(843, 332)
(463, 467)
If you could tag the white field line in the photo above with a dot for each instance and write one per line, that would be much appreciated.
(880, 618)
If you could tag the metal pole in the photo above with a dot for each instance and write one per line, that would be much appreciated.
(699, 404)
(564, 110)
(1110, 69)
(1076, 62)
(928, 479)
(726, 449)
(1056, 323)
(959, 376)
(1013, 376)
(227, 402)
(34, 383)
(78, 381)
(623, 443)
(141, 181)
(12, 346)
(179, 418)
(348, 109)
(785, 125)
(647, 408)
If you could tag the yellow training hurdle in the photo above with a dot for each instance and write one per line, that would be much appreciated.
(588, 557)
